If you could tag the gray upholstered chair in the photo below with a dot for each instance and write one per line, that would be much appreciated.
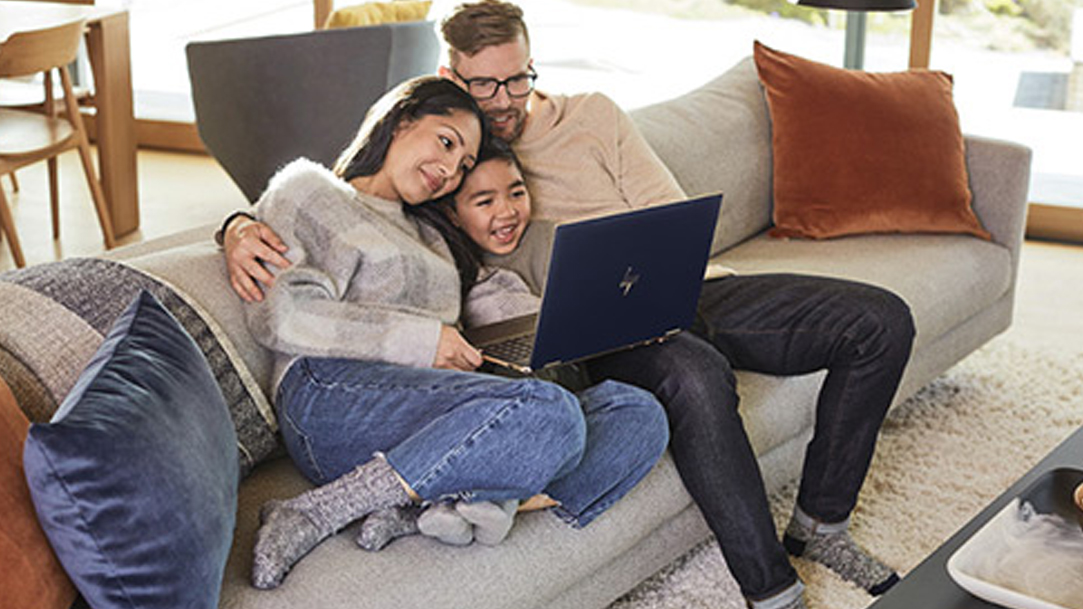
(262, 102)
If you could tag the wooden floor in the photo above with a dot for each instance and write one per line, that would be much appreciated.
(180, 190)
(176, 191)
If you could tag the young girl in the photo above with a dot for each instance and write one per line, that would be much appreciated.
(375, 393)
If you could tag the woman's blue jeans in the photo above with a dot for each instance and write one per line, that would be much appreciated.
(471, 436)
(776, 324)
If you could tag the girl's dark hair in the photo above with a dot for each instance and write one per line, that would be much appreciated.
(497, 148)
(409, 101)
(467, 254)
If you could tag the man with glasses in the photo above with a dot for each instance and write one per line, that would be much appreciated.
(582, 155)
(489, 55)
(503, 116)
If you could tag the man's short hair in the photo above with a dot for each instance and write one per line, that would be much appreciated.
(474, 26)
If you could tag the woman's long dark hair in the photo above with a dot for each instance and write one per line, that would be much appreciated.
(467, 254)
(409, 101)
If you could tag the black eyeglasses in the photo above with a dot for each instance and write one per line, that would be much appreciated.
(482, 89)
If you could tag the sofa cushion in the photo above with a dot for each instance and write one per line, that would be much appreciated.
(946, 279)
(135, 479)
(528, 569)
(32, 575)
(53, 317)
(44, 345)
(376, 13)
(717, 138)
(858, 152)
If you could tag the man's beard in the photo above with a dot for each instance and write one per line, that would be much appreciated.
(509, 130)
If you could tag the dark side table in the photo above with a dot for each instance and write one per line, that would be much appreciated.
(928, 586)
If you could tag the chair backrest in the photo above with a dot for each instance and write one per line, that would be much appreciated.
(262, 102)
(30, 52)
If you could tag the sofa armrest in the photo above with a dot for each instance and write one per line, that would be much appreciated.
(999, 174)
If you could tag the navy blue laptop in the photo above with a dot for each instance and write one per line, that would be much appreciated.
(614, 282)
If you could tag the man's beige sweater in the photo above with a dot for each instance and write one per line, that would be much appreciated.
(583, 156)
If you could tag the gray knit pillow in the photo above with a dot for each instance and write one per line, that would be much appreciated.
(54, 316)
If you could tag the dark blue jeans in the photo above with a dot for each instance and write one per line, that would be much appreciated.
(781, 325)
(476, 437)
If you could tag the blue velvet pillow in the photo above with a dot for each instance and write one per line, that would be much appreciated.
(135, 478)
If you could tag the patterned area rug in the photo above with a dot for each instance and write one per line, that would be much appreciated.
(943, 455)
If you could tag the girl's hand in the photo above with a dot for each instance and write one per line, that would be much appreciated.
(454, 353)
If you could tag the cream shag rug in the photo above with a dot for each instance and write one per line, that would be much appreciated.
(943, 455)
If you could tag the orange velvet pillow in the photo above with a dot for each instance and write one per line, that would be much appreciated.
(32, 575)
(860, 152)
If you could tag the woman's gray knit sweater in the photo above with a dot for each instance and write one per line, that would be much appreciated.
(367, 281)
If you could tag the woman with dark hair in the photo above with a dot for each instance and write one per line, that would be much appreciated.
(375, 392)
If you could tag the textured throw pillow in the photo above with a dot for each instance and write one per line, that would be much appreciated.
(376, 13)
(53, 317)
(32, 575)
(860, 152)
(135, 479)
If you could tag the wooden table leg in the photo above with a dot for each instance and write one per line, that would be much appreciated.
(109, 48)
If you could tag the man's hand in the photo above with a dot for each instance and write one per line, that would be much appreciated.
(246, 243)
(454, 353)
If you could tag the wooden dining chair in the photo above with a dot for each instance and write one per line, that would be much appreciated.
(30, 137)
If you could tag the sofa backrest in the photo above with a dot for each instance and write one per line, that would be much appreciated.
(262, 102)
(717, 138)
(198, 270)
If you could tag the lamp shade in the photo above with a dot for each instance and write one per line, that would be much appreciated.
(860, 5)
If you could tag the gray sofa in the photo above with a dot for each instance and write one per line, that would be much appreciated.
(716, 138)
(247, 92)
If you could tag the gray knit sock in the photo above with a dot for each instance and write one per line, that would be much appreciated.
(294, 527)
(792, 597)
(442, 522)
(384, 526)
(491, 521)
(832, 546)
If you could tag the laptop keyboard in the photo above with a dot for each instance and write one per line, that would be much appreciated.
(516, 350)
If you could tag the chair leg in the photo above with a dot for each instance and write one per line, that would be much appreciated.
(96, 192)
(54, 196)
(7, 226)
(14, 182)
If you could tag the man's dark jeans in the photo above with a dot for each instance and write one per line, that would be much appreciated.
(780, 325)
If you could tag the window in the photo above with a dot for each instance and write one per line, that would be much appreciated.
(1021, 81)
(161, 28)
(1017, 64)
(644, 51)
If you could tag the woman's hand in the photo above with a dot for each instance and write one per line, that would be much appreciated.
(247, 242)
(454, 353)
